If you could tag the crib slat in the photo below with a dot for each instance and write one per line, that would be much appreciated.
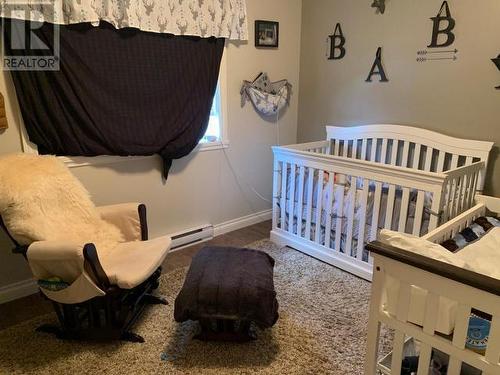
(404, 297)
(464, 182)
(284, 176)
(355, 149)
(394, 152)
(364, 146)
(300, 203)
(428, 159)
(390, 207)
(397, 352)
(419, 211)
(406, 149)
(454, 366)
(362, 219)
(453, 198)
(276, 192)
(468, 191)
(493, 349)
(340, 213)
(425, 359)
(461, 325)
(469, 160)
(376, 210)
(291, 198)
(329, 205)
(334, 146)
(383, 154)
(345, 147)
(416, 155)
(440, 164)
(472, 189)
(405, 199)
(350, 215)
(310, 181)
(454, 161)
(319, 207)
(374, 149)
(431, 311)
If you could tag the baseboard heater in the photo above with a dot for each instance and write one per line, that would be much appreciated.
(192, 236)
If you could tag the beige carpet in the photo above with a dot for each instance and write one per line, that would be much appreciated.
(321, 330)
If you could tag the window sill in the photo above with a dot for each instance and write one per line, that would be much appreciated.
(211, 146)
(83, 161)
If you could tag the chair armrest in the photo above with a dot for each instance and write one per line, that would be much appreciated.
(130, 218)
(67, 260)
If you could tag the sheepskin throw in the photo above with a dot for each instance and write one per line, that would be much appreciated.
(40, 200)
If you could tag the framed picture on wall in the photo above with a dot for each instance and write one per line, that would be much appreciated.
(267, 34)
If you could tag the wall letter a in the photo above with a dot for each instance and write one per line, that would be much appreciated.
(378, 68)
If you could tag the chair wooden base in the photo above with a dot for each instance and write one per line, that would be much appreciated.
(110, 317)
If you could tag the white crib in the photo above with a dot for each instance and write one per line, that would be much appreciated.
(331, 197)
(466, 289)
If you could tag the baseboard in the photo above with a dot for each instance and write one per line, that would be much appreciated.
(17, 290)
(242, 222)
(27, 287)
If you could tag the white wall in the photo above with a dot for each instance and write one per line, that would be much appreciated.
(206, 187)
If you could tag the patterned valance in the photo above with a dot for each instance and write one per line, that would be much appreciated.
(204, 18)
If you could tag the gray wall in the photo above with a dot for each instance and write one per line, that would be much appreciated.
(206, 187)
(455, 98)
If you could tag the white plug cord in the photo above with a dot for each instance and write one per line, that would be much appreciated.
(239, 179)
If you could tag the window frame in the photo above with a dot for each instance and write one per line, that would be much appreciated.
(81, 161)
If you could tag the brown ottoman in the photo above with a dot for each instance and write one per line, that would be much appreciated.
(226, 289)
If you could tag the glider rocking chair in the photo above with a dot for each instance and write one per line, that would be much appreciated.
(102, 305)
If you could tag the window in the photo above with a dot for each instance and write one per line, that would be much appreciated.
(215, 137)
(214, 129)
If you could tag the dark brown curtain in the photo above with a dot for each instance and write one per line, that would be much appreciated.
(118, 92)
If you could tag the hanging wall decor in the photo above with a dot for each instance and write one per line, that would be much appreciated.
(496, 61)
(378, 68)
(425, 55)
(443, 17)
(379, 5)
(337, 42)
(267, 34)
(267, 97)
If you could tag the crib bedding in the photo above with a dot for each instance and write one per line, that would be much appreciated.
(341, 193)
(481, 256)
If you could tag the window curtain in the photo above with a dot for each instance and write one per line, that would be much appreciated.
(203, 18)
(118, 92)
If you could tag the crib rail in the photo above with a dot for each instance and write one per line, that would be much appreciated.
(333, 205)
(471, 292)
(460, 189)
(340, 203)
(409, 147)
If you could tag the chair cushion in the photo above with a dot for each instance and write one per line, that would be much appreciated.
(131, 263)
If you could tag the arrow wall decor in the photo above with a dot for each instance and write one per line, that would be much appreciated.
(432, 55)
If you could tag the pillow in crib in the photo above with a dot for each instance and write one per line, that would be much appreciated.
(474, 232)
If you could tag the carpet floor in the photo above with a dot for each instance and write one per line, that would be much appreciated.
(321, 330)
